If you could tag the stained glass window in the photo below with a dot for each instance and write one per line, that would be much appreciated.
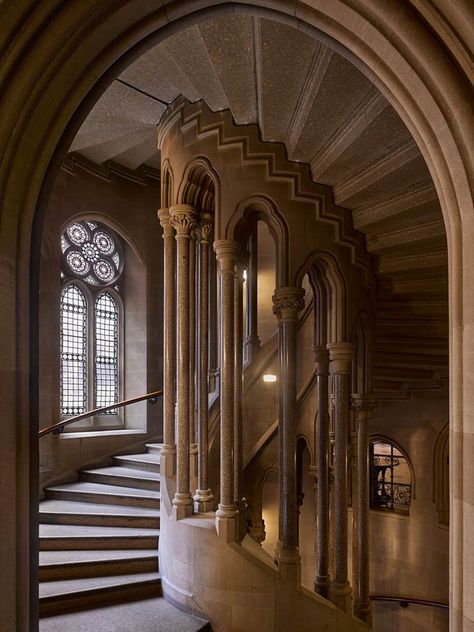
(92, 260)
(91, 253)
(73, 350)
(106, 351)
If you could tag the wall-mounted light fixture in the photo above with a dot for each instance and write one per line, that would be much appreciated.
(269, 377)
(245, 275)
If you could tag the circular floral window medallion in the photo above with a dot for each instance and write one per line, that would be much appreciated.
(92, 252)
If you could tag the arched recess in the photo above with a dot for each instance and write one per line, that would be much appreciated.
(362, 337)
(41, 116)
(200, 188)
(243, 221)
(167, 184)
(329, 285)
(408, 489)
(441, 476)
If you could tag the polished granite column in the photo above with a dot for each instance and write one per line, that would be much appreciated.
(287, 304)
(322, 580)
(203, 497)
(340, 356)
(228, 255)
(363, 406)
(168, 450)
(183, 218)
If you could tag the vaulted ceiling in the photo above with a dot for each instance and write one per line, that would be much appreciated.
(330, 115)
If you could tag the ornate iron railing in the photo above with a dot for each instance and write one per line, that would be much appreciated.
(388, 494)
(60, 425)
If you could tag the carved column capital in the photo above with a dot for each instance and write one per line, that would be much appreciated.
(183, 219)
(228, 252)
(165, 221)
(288, 303)
(340, 356)
(363, 405)
(321, 359)
(206, 225)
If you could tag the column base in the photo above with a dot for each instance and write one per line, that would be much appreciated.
(182, 506)
(203, 501)
(363, 611)
(227, 523)
(322, 585)
(289, 564)
(341, 596)
(168, 460)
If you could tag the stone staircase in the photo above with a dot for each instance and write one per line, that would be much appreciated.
(98, 537)
(328, 115)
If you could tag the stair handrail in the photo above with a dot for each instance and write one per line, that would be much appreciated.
(60, 425)
(405, 601)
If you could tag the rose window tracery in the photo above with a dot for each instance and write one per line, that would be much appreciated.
(92, 253)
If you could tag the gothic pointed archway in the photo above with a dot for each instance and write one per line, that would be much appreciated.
(49, 83)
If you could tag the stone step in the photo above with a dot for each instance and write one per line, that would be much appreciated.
(57, 597)
(107, 494)
(62, 537)
(62, 565)
(123, 477)
(148, 462)
(146, 615)
(68, 512)
(154, 448)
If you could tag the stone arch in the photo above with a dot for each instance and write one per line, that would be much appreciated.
(167, 184)
(200, 187)
(428, 90)
(362, 337)
(248, 213)
(441, 475)
(329, 284)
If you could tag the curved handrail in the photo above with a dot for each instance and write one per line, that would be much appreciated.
(60, 425)
(405, 601)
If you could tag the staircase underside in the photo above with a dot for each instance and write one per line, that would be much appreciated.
(329, 115)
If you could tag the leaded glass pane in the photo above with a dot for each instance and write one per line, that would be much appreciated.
(106, 351)
(73, 350)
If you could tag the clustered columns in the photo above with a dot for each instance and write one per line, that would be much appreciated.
(184, 220)
(203, 497)
(252, 342)
(363, 405)
(229, 254)
(322, 580)
(340, 356)
(168, 450)
(287, 304)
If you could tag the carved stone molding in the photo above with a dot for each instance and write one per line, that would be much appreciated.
(288, 302)
(206, 227)
(183, 219)
(165, 221)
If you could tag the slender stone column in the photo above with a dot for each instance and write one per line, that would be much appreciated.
(322, 580)
(183, 218)
(287, 304)
(168, 449)
(203, 497)
(228, 255)
(192, 341)
(252, 342)
(340, 355)
(363, 406)
(238, 377)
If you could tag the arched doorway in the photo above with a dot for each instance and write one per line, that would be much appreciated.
(91, 44)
